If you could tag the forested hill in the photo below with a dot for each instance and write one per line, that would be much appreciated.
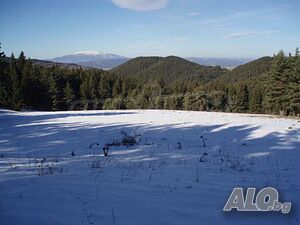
(135, 66)
(248, 71)
(167, 68)
(154, 83)
(46, 63)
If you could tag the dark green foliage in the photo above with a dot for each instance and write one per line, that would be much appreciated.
(15, 72)
(105, 86)
(294, 86)
(266, 85)
(117, 88)
(175, 101)
(135, 66)
(33, 89)
(54, 93)
(240, 98)
(256, 98)
(166, 69)
(196, 101)
(277, 82)
(69, 95)
(218, 100)
(251, 70)
(5, 82)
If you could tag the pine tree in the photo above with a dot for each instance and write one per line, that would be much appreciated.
(231, 99)
(30, 85)
(21, 62)
(69, 95)
(85, 91)
(54, 94)
(26, 84)
(107, 105)
(174, 102)
(218, 99)
(294, 85)
(117, 89)
(159, 102)
(15, 76)
(276, 86)
(2, 55)
(118, 103)
(4, 82)
(93, 89)
(255, 102)
(105, 87)
(128, 85)
(242, 98)
(196, 101)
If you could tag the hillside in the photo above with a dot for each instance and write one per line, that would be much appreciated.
(223, 62)
(249, 70)
(105, 64)
(47, 63)
(136, 66)
(167, 68)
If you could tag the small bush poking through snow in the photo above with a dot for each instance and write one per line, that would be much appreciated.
(105, 150)
(130, 138)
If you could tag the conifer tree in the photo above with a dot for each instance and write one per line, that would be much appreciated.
(15, 76)
(277, 84)
(69, 95)
(196, 101)
(85, 91)
(54, 93)
(24, 83)
(242, 98)
(159, 102)
(294, 86)
(105, 87)
(93, 82)
(117, 89)
(218, 99)
(255, 102)
(4, 81)
(30, 85)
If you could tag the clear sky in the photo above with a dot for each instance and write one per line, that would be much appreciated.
(203, 28)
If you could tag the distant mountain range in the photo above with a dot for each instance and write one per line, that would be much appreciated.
(93, 59)
(100, 60)
(223, 62)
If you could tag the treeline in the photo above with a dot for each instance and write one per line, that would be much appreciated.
(25, 85)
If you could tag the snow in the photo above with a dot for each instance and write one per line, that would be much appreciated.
(88, 53)
(154, 182)
(97, 54)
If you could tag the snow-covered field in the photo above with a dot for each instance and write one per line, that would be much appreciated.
(155, 182)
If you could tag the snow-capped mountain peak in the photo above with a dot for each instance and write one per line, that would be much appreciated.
(87, 56)
(89, 53)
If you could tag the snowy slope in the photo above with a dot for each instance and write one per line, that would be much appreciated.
(152, 183)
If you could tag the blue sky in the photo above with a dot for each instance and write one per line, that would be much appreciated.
(203, 28)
